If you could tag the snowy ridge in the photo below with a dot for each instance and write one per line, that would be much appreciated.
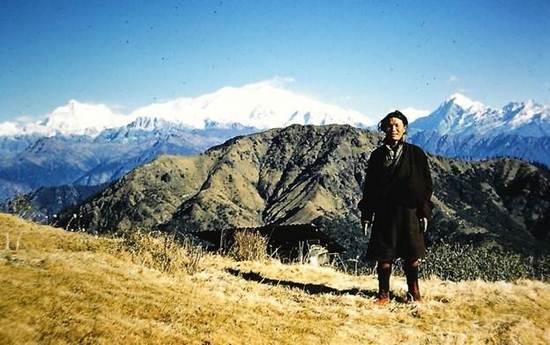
(261, 105)
(268, 104)
(74, 118)
(82, 118)
(463, 128)
(466, 103)
(458, 115)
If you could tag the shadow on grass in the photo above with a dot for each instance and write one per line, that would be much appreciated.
(312, 289)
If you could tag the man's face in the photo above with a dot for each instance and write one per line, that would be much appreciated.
(395, 129)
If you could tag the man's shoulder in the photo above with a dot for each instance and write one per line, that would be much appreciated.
(377, 151)
(417, 150)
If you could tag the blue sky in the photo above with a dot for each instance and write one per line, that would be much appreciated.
(371, 56)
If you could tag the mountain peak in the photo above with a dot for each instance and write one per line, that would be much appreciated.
(464, 102)
(9, 129)
(82, 118)
(263, 105)
(148, 123)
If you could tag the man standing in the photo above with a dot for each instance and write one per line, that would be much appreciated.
(396, 201)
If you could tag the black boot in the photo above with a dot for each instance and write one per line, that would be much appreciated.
(411, 271)
(384, 272)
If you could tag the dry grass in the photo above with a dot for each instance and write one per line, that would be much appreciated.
(161, 252)
(67, 288)
(249, 246)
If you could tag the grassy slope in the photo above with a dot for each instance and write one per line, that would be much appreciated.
(61, 287)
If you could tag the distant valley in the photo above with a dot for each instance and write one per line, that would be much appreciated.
(33, 162)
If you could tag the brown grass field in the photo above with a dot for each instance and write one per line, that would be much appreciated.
(58, 287)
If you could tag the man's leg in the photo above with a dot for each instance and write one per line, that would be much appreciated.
(411, 271)
(384, 272)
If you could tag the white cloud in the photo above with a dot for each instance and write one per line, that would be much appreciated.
(453, 79)
(27, 119)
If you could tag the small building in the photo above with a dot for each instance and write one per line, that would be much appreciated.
(302, 242)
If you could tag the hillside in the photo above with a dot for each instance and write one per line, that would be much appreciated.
(304, 174)
(45, 202)
(63, 287)
(29, 162)
(89, 144)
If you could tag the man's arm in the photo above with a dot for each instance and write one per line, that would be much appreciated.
(425, 207)
(366, 204)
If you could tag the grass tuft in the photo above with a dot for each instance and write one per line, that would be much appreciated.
(162, 252)
(248, 246)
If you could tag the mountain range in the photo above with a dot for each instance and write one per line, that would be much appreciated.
(86, 144)
(83, 144)
(32, 162)
(460, 127)
(314, 174)
(262, 105)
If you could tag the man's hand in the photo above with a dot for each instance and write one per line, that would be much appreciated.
(423, 224)
(366, 226)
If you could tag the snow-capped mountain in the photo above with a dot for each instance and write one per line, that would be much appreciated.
(30, 162)
(460, 127)
(139, 128)
(261, 105)
(460, 115)
(90, 144)
(82, 118)
(74, 118)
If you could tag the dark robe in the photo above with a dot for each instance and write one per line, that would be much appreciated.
(398, 197)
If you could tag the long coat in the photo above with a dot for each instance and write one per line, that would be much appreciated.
(397, 198)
